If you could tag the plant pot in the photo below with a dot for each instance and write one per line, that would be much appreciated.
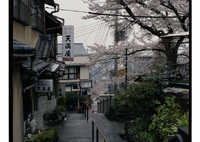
(63, 114)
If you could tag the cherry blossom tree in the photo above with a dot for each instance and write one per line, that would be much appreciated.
(154, 17)
(150, 20)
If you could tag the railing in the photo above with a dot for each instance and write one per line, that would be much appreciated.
(97, 133)
(84, 106)
(104, 105)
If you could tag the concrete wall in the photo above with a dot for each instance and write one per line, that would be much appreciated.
(25, 34)
(77, 60)
(84, 73)
(18, 131)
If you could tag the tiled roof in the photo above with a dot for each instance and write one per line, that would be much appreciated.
(61, 69)
(38, 66)
(43, 46)
(79, 50)
(22, 48)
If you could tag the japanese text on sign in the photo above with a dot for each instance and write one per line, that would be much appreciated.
(68, 43)
(44, 85)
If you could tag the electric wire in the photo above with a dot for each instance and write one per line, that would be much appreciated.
(82, 34)
(106, 14)
(90, 33)
(102, 36)
(97, 34)
(87, 29)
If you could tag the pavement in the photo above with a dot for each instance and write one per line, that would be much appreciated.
(77, 129)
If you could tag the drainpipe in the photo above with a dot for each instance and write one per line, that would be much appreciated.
(56, 9)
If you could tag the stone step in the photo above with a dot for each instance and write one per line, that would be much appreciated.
(77, 128)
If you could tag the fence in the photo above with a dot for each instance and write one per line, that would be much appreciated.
(84, 106)
(104, 104)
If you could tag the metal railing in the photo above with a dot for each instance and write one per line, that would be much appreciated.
(97, 133)
(104, 105)
(84, 106)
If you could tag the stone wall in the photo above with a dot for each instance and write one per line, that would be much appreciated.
(46, 105)
(39, 124)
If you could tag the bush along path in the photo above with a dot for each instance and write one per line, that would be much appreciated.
(155, 116)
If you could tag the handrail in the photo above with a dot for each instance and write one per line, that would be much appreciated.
(97, 134)
(85, 109)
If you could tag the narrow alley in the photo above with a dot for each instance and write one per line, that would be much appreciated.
(77, 129)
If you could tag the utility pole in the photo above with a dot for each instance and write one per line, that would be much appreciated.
(116, 56)
(126, 70)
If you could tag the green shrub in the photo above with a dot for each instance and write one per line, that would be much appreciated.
(55, 112)
(61, 101)
(138, 99)
(81, 98)
(71, 98)
(48, 135)
(165, 121)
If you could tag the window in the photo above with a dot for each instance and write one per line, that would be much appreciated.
(21, 11)
(37, 16)
(72, 73)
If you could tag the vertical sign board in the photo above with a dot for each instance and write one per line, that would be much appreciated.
(68, 42)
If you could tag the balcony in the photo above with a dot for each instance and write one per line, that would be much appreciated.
(21, 12)
(38, 23)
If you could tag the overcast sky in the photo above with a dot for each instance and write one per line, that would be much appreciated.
(83, 28)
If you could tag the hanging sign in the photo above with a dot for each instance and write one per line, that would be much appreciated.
(44, 85)
(68, 42)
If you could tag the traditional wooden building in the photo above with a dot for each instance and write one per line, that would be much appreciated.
(34, 59)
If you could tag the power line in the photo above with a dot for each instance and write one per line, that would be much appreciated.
(95, 13)
(90, 33)
(87, 33)
(88, 25)
(87, 28)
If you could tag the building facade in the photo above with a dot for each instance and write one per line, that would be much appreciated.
(76, 78)
(33, 59)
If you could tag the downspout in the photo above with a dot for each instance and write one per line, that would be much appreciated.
(56, 9)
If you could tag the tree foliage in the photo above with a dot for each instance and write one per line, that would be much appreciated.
(150, 20)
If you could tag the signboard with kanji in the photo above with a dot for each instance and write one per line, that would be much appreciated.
(68, 42)
(44, 85)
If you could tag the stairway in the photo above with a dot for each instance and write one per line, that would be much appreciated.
(77, 129)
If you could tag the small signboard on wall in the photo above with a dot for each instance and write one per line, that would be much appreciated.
(44, 85)
(86, 84)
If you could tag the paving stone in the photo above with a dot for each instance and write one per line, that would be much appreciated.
(78, 129)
